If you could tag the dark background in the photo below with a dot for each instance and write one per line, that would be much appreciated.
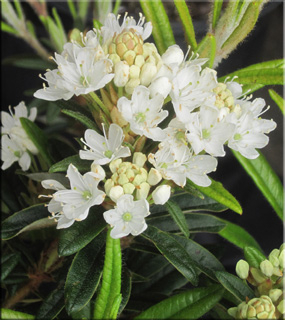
(265, 43)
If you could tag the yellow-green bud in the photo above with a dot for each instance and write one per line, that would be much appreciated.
(123, 179)
(116, 192)
(115, 58)
(134, 72)
(281, 258)
(131, 85)
(122, 71)
(233, 311)
(242, 269)
(266, 268)
(277, 272)
(142, 191)
(263, 306)
(139, 61)
(257, 275)
(139, 159)
(114, 165)
(115, 177)
(128, 188)
(139, 178)
(130, 174)
(108, 185)
(275, 294)
(281, 307)
(282, 246)
(274, 257)
(154, 177)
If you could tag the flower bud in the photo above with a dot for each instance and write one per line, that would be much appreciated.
(139, 159)
(139, 178)
(116, 192)
(98, 170)
(161, 194)
(108, 185)
(277, 272)
(161, 85)
(128, 188)
(121, 71)
(274, 257)
(114, 165)
(154, 177)
(282, 246)
(147, 73)
(242, 269)
(131, 85)
(123, 179)
(134, 72)
(281, 258)
(266, 268)
(117, 117)
(142, 191)
(173, 55)
(275, 294)
(257, 275)
(232, 312)
(281, 307)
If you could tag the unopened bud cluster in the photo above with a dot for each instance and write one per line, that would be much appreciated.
(135, 62)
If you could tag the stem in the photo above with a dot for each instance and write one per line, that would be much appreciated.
(100, 103)
(120, 91)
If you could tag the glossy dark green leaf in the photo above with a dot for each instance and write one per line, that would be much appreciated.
(126, 288)
(203, 259)
(28, 62)
(253, 256)
(234, 285)
(238, 236)
(217, 192)
(8, 263)
(173, 252)
(88, 123)
(197, 222)
(178, 216)
(7, 314)
(38, 138)
(84, 275)
(81, 233)
(53, 304)
(265, 179)
(40, 176)
(191, 304)
(17, 223)
(62, 166)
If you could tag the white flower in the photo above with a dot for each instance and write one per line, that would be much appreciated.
(102, 149)
(144, 114)
(12, 152)
(161, 194)
(67, 205)
(127, 217)
(112, 26)
(80, 70)
(207, 133)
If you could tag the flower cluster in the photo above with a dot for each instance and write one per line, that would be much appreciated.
(268, 283)
(180, 140)
(16, 145)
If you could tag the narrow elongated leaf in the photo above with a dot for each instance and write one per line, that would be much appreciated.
(186, 20)
(234, 285)
(217, 192)
(84, 275)
(265, 179)
(15, 224)
(216, 11)
(253, 256)
(6, 28)
(126, 288)
(191, 304)
(207, 49)
(81, 233)
(110, 291)
(40, 176)
(88, 123)
(173, 252)
(196, 222)
(53, 304)
(27, 62)
(278, 100)
(238, 236)
(178, 216)
(8, 263)
(248, 89)
(8, 314)
(62, 166)
(204, 260)
(38, 138)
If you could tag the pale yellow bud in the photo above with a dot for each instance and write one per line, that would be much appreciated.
(154, 177)
(123, 179)
(139, 159)
(274, 257)
(139, 61)
(129, 188)
(161, 194)
(139, 178)
(122, 71)
(130, 174)
(242, 269)
(282, 246)
(115, 58)
(114, 165)
(142, 191)
(131, 85)
(257, 275)
(134, 72)
(173, 55)
(266, 268)
(147, 73)
(275, 294)
(161, 85)
(281, 258)
(98, 170)
(108, 185)
(116, 192)
(281, 307)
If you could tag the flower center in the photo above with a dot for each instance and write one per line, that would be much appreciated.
(237, 136)
(127, 216)
(140, 117)
(206, 133)
(86, 194)
(17, 154)
(108, 154)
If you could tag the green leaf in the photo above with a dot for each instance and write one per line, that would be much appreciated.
(38, 138)
(81, 118)
(7, 314)
(178, 217)
(265, 179)
(110, 291)
(204, 260)
(186, 20)
(81, 233)
(253, 256)
(217, 192)
(234, 285)
(72, 9)
(62, 166)
(84, 275)
(197, 222)
(191, 304)
(173, 252)
(53, 304)
(238, 236)
(277, 99)
(40, 176)
(126, 288)
(19, 221)
(27, 62)
(217, 7)
(8, 263)
(207, 49)
(6, 28)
